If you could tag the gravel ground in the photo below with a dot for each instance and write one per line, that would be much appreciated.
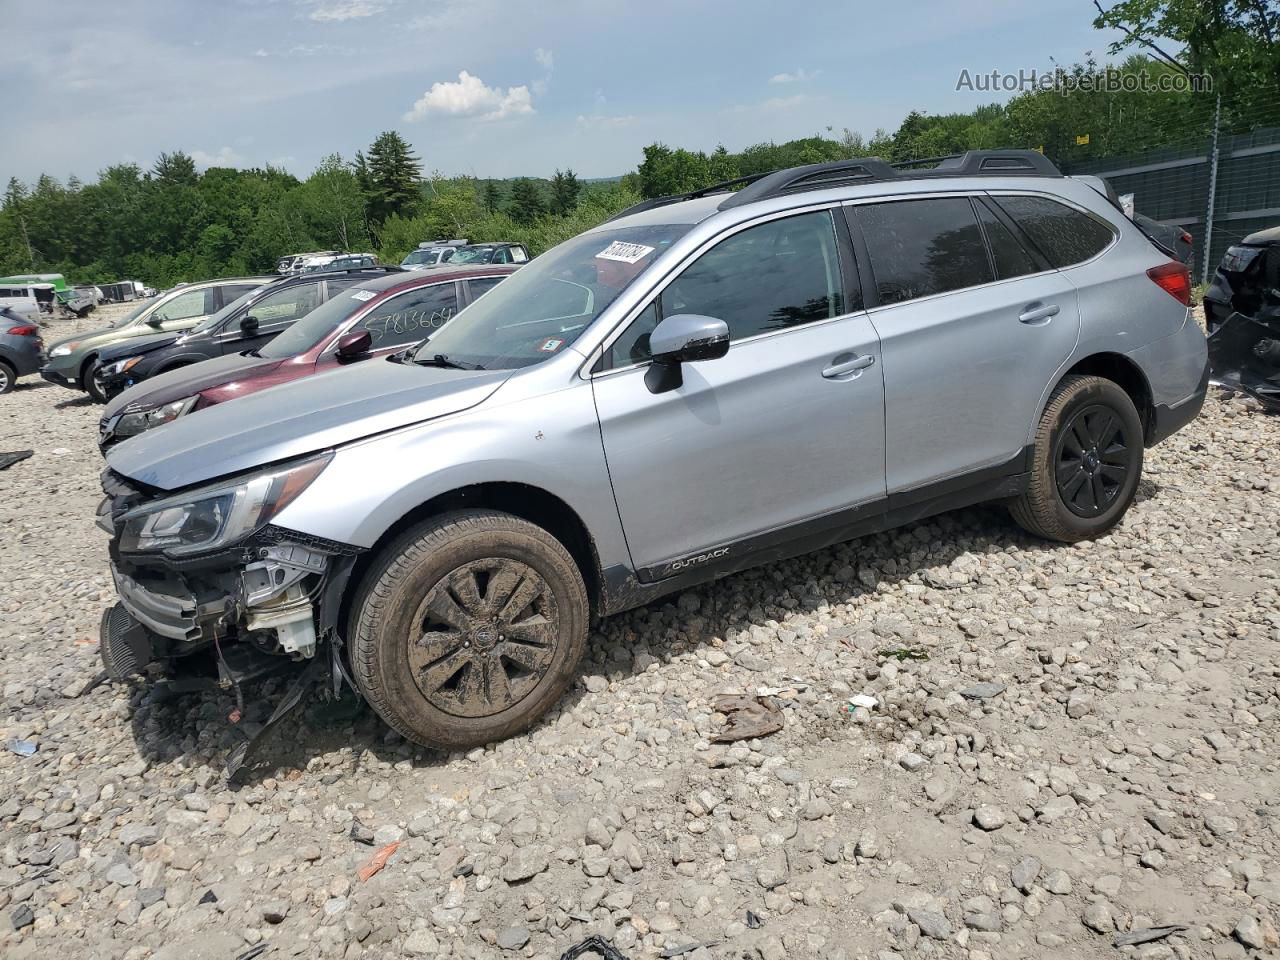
(1069, 744)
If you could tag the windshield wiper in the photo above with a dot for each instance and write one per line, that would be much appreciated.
(440, 360)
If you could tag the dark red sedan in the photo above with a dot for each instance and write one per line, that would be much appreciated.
(373, 318)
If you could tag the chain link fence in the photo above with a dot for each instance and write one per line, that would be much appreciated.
(1219, 186)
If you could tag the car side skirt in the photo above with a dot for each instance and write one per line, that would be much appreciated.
(624, 589)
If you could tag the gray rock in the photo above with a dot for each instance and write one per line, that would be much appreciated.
(513, 938)
(773, 870)
(274, 911)
(1025, 872)
(912, 762)
(1098, 917)
(526, 862)
(422, 943)
(1058, 882)
(22, 917)
(121, 875)
(932, 923)
(989, 818)
(1079, 705)
(1248, 931)
(983, 691)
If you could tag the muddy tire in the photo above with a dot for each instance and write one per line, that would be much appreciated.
(1086, 463)
(468, 628)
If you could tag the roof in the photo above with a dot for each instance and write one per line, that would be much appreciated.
(416, 278)
(1263, 238)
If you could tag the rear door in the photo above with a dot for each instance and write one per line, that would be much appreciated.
(786, 427)
(185, 310)
(973, 326)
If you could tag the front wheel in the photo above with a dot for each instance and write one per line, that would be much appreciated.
(8, 377)
(92, 382)
(469, 629)
(1086, 463)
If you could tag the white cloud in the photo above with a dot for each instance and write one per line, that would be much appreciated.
(800, 76)
(226, 157)
(261, 53)
(600, 122)
(340, 10)
(472, 97)
(545, 58)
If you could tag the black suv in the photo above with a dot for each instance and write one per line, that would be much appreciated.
(245, 324)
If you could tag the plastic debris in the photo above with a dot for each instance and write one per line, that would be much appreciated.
(748, 717)
(209, 897)
(257, 950)
(23, 748)
(377, 862)
(360, 833)
(864, 700)
(983, 691)
(1146, 935)
(753, 921)
(596, 944)
(682, 949)
(9, 459)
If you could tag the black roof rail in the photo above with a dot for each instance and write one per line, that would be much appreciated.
(816, 176)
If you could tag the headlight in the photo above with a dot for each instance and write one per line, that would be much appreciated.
(62, 350)
(134, 423)
(204, 520)
(121, 366)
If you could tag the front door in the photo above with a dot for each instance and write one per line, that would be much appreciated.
(275, 313)
(788, 426)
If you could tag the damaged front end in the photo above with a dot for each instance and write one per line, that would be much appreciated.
(1242, 317)
(212, 595)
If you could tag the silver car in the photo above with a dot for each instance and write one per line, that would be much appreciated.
(701, 384)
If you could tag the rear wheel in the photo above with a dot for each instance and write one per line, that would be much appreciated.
(1086, 464)
(469, 629)
(8, 377)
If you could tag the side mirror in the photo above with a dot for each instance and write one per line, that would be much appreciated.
(249, 326)
(683, 338)
(155, 321)
(355, 344)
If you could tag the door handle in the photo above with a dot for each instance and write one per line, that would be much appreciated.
(1038, 314)
(843, 367)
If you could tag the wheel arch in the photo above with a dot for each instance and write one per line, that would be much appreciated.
(528, 502)
(1120, 370)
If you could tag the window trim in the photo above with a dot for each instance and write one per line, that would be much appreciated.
(592, 368)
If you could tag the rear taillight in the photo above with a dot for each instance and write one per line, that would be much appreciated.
(1186, 238)
(27, 331)
(1174, 279)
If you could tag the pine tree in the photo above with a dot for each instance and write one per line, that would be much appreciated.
(394, 173)
(526, 201)
(564, 192)
(492, 196)
(175, 168)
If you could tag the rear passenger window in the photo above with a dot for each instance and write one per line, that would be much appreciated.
(1010, 257)
(922, 247)
(1064, 235)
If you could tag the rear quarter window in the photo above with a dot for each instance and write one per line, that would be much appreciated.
(1065, 236)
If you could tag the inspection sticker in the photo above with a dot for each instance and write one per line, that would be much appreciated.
(551, 345)
(624, 252)
(363, 295)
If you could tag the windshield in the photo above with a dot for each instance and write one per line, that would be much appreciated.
(226, 311)
(420, 256)
(313, 327)
(473, 255)
(544, 307)
(137, 311)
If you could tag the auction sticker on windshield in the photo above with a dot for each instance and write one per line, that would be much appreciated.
(363, 295)
(551, 345)
(624, 252)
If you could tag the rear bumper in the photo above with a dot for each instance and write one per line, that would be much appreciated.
(1168, 419)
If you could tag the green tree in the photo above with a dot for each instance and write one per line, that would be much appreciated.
(175, 168)
(527, 204)
(564, 192)
(393, 175)
(492, 196)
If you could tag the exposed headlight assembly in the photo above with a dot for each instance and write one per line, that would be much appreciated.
(62, 350)
(130, 424)
(121, 366)
(201, 521)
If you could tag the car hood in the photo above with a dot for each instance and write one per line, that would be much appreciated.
(102, 336)
(297, 418)
(138, 343)
(184, 381)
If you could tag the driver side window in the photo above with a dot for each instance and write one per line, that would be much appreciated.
(769, 277)
(193, 303)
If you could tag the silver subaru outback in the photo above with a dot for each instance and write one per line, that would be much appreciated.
(703, 383)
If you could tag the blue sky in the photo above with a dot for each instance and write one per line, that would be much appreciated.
(490, 87)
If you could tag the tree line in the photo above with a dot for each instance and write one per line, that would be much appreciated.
(173, 223)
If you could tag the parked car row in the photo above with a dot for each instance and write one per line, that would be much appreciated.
(436, 506)
(456, 252)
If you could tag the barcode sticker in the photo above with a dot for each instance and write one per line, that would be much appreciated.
(624, 252)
